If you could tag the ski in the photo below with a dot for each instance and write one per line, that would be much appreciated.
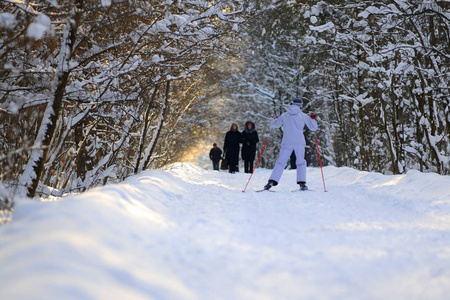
(258, 191)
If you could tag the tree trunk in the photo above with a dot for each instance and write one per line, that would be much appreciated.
(35, 167)
(154, 141)
(137, 167)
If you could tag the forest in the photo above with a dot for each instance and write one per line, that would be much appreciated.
(94, 91)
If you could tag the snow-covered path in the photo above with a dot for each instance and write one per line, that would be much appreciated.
(189, 233)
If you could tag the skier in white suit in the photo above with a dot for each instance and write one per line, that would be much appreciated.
(293, 121)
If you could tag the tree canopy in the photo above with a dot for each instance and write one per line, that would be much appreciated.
(93, 91)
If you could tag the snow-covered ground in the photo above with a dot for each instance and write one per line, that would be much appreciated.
(190, 233)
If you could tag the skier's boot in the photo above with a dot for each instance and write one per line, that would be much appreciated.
(270, 184)
(303, 186)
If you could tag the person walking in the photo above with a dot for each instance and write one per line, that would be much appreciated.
(292, 121)
(293, 161)
(249, 139)
(231, 148)
(215, 155)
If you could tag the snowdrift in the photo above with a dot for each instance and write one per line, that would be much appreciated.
(189, 233)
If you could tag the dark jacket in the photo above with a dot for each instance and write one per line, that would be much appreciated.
(231, 147)
(215, 154)
(249, 138)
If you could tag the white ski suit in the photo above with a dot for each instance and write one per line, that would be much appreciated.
(293, 121)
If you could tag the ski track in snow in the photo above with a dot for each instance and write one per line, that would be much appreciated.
(189, 233)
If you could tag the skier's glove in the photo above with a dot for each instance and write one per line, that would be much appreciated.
(312, 116)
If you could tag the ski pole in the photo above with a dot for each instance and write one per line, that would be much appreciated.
(320, 162)
(265, 144)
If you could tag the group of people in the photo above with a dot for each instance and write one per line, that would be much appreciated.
(293, 143)
(233, 138)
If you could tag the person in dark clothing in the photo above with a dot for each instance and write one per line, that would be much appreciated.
(293, 161)
(231, 148)
(249, 138)
(215, 155)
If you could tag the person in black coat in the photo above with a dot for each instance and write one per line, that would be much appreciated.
(249, 138)
(231, 148)
(215, 155)
(293, 161)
